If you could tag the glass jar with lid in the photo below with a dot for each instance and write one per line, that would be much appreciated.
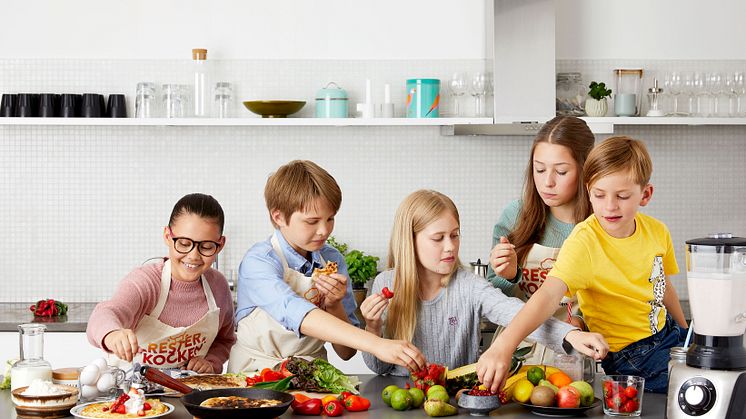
(571, 92)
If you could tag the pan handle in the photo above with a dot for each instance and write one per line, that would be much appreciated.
(158, 377)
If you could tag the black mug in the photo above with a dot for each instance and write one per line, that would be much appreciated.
(48, 105)
(26, 106)
(69, 105)
(116, 106)
(92, 104)
(8, 105)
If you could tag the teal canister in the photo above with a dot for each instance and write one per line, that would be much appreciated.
(331, 102)
(423, 98)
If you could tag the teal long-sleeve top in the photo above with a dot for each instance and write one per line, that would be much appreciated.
(554, 235)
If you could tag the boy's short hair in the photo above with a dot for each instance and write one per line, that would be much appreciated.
(618, 154)
(296, 185)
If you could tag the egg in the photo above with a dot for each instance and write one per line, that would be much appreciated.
(89, 375)
(88, 392)
(105, 382)
(100, 363)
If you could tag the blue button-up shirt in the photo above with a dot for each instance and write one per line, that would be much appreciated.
(261, 283)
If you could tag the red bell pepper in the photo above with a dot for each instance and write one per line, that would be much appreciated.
(344, 395)
(334, 408)
(357, 403)
(311, 407)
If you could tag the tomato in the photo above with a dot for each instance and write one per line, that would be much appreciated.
(629, 406)
(630, 392)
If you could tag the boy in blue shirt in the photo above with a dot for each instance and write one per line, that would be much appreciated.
(284, 309)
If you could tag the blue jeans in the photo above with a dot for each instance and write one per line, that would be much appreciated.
(648, 357)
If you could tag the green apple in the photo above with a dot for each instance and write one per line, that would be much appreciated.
(586, 392)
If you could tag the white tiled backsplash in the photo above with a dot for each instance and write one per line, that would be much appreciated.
(82, 206)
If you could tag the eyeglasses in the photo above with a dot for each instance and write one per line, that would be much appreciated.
(185, 245)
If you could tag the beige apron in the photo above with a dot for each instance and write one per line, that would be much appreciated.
(262, 341)
(164, 346)
(539, 262)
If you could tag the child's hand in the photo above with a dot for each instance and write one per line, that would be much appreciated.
(400, 352)
(591, 344)
(123, 343)
(372, 309)
(492, 367)
(332, 288)
(503, 259)
(199, 365)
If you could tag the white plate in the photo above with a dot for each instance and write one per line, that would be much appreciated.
(75, 411)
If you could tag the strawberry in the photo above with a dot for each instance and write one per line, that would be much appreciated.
(146, 406)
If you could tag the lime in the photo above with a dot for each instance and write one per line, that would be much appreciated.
(522, 390)
(386, 394)
(535, 374)
(418, 397)
(401, 399)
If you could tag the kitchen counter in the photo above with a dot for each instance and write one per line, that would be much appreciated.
(654, 405)
(76, 319)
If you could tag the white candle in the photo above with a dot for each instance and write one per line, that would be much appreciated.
(387, 93)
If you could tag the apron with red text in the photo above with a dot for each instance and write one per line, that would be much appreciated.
(539, 262)
(164, 346)
(263, 342)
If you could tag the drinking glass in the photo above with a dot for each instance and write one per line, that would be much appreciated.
(145, 100)
(173, 101)
(478, 90)
(672, 83)
(739, 85)
(223, 96)
(458, 87)
(704, 99)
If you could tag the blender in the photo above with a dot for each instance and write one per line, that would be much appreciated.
(712, 383)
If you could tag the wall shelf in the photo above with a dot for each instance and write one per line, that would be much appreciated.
(238, 122)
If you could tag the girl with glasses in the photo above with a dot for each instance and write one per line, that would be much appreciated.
(177, 313)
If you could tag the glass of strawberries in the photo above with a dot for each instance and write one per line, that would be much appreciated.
(623, 394)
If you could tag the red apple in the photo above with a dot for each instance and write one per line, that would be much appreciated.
(568, 396)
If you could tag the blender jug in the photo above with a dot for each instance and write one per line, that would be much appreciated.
(716, 278)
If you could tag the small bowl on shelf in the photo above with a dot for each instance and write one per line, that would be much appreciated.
(274, 108)
(479, 405)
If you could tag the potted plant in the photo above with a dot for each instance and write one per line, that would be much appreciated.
(595, 104)
(361, 268)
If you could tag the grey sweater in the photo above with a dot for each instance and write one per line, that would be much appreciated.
(447, 330)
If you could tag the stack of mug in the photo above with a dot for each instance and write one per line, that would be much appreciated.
(66, 105)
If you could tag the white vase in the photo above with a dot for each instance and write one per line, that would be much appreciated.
(595, 107)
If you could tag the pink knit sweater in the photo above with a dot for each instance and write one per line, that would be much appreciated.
(138, 294)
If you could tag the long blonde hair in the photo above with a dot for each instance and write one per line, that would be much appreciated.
(415, 213)
(569, 132)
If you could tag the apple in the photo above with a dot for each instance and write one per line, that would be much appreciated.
(586, 392)
(568, 396)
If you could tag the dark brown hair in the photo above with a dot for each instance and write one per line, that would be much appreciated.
(569, 132)
(296, 185)
(199, 204)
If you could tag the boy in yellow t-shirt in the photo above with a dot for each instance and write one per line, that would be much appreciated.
(617, 261)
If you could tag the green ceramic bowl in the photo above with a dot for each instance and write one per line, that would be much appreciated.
(274, 108)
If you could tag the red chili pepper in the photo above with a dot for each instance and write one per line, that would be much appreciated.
(387, 293)
(357, 403)
(284, 368)
(311, 407)
(334, 408)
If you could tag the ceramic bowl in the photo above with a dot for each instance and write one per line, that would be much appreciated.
(51, 406)
(274, 108)
(479, 405)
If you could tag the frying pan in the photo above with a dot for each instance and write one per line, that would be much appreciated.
(192, 398)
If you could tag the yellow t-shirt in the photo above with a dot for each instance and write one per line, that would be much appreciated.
(619, 282)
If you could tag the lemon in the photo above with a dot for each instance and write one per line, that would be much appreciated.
(522, 390)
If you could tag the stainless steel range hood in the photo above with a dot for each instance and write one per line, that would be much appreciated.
(523, 68)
